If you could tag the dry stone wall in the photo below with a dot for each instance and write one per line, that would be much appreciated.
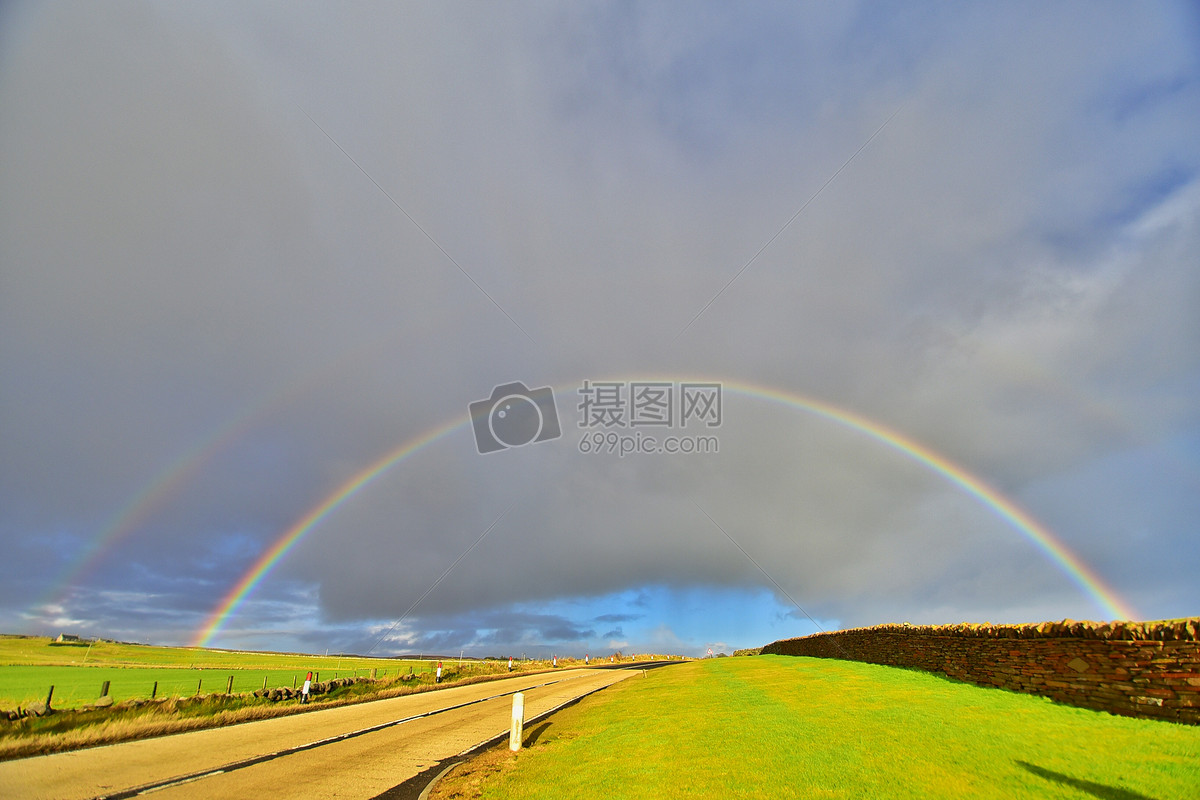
(1142, 669)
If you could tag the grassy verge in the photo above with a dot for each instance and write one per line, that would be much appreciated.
(774, 726)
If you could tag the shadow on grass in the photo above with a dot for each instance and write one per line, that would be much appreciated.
(1091, 787)
(535, 734)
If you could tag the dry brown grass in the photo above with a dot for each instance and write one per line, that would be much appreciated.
(466, 780)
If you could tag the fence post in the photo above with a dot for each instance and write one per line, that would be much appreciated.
(49, 696)
(104, 689)
(264, 683)
(154, 691)
(518, 722)
(198, 686)
(229, 687)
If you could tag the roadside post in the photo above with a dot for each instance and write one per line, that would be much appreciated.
(518, 722)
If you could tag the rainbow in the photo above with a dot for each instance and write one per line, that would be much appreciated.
(153, 497)
(160, 490)
(267, 561)
(1037, 534)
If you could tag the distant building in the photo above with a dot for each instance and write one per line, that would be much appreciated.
(67, 637)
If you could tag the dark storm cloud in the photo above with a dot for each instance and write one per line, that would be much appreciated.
(500, 630)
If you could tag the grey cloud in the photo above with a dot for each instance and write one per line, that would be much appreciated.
(201, 289)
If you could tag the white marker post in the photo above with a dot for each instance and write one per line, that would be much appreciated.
(518, 722)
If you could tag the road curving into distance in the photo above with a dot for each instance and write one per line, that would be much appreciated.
(355, 751)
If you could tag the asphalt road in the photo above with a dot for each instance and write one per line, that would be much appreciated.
(357, 751)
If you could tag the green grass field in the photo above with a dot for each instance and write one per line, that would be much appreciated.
(782, 727)
(78, 673)
(28, 667)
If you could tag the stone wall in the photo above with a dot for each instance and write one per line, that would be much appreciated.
(1142, 669)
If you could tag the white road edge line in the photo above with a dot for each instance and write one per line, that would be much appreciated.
(425, 792)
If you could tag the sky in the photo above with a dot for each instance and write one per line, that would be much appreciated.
(941, 263)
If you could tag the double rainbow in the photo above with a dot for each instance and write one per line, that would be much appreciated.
(1041, 537)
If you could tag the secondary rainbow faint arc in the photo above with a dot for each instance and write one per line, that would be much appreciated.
(279, 549)
(170, 480)
(142, 505)
(1009, 511)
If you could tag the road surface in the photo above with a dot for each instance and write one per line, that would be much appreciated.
(357, 751)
